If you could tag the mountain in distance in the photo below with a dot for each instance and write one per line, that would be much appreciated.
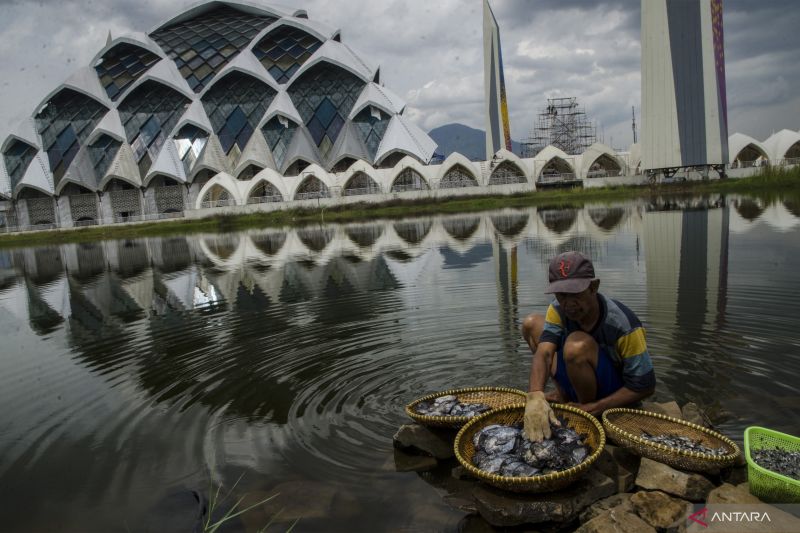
(469, 142)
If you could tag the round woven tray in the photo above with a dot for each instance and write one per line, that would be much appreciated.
(625, 427)
(581, 421)
(494, 397)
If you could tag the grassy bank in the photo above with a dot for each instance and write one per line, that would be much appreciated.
(768, 185)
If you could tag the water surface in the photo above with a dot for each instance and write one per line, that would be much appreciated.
(137, 373)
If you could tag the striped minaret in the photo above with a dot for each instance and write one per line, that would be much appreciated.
(684, 107)
(498, 132)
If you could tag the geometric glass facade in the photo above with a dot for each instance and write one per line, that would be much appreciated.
(372, 128)
(284, 50)
(324, 96)
(204, 44)
(235, 105)
(148, 115)
(121, 66)
(190, 141)
(279, 135)
(457, 177)
(102, 152)
(64, 124)
(17, 158)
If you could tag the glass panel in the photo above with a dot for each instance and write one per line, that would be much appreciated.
(284, 50)
(216, 35)
(17, 158)
(121, 66)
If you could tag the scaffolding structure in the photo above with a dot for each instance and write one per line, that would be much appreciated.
(562, 124)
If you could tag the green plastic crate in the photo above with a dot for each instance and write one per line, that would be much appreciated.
(765, 484)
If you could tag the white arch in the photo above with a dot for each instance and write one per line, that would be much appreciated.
(204, 6)
(338, 55)
(226, 182)
(503, 156)
(408, 162)
(37, 176)
(359, 166)
(592, 154)
(318, 172)
(316, 29)
(739, 141)
(549, 153)
(25, 131)
(165, 73)
(458, 159)
(137, 39)
(248, 65)
(779, 143)
(83, 81)
(270, 176)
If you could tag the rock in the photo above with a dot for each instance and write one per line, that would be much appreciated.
(461, 502)
(502, 508)
(666, 408)
(727, 493)
(658, 476)
(437, 443)
(620, 502)
(404, 462)
(609, 464)
(658, 509)
(616, 521)
(692, 413)
(459, 472)
(734, 475)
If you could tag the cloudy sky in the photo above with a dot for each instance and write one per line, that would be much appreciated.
(430, 53)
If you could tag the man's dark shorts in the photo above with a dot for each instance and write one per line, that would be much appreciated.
(608, 377)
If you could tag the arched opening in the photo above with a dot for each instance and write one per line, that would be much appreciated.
(269, 243)
(167, 194)
(364, 236)
(316, 239)
(413, 232)
(343, 164)
(223, 245)
(391, 160)
(558, 220)
(461, 228)
(296, 168)
(264, 192)
(749, 156)
(409, 180)
(507, 173)
(217, 196)
(458, 177)
(360, 184)
(82, 204)
(607, 218)
(249, 172)
(792, 155)
(312, 188)
(604, 166)
(748, 209)
(126, 200)
(510, 225)
(40, 207)
(556, 170)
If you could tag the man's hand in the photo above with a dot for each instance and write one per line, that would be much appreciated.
(538, 417)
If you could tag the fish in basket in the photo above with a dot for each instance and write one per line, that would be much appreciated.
(454, 408)
(493, 448)
(669, 440)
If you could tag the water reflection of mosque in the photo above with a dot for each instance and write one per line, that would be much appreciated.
(685, 242)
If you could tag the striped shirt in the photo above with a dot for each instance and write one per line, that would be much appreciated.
(618, 331)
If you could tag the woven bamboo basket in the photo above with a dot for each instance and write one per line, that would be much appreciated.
(581, 421)
(625, 427)
(494, 397)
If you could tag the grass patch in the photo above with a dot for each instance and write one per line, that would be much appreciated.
(768, 185)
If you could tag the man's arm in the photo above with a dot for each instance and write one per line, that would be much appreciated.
(623, 396)
(540, 366)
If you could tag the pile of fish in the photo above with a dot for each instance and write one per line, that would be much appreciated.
(450, 406)
(778, 460)
(506, 451)
(684, 443)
